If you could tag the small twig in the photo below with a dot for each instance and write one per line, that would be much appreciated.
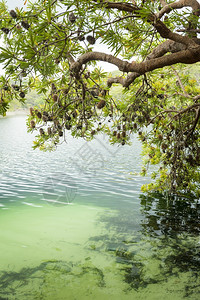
(180, 82)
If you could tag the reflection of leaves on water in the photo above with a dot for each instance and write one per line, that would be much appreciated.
(12, 282)
(165, 247)
(170, 216)
(186, 260)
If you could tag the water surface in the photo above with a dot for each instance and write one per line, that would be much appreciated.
(74, 225)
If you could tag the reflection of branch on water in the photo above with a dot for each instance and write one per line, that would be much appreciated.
(170, 216)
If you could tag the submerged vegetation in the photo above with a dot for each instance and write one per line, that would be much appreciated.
(161, 257)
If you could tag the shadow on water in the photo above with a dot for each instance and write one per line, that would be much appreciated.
(35, 279)
(165, 249)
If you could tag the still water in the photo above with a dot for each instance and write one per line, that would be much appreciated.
(74, 225)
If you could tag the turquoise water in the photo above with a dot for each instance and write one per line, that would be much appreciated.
(74, 224)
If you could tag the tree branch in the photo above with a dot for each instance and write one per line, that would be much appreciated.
(166, 33)
(178, 5)
(183, 48)
(154, 19)
(163, 2)
(180, 82)
(117, 5)
(187, 56)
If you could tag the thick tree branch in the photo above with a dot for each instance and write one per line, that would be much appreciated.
(163, 2)
(189, 30)
(117, 5)
(165, 47)
(166, 33)
(178, 5)
(169, 46)
(125, 82)
(187, 56)
(183, 49)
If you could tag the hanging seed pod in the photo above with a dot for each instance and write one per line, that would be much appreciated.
(118, 135)
(101, 104)
(5, 30)
(31, 110)
(104, 92)
(59, 126)
(32, 124)
(93, 132)
(54, 130)
(55, 97)
(41, 131)
(124, 134)
(123, 143)
(119, 127)
(18, 27)
(68, 126)
(49, 131)
(114, 133)
(72, 17)
(135, 126)
(140, 119)
(38, 114)
(15, 87)
(164, 146)
(74, 114)
(160, 137)
(45, 113)
(111, 108)
(45, 118)
(6, 87)
(160, 96)
(25, 24)
(81, 38)
(22, 95)
(94, 92)
(67, 117)
(13, 14)
(53, 88)
(91, 40)
(60, 133)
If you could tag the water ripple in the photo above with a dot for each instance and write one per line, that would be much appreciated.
(26, 173)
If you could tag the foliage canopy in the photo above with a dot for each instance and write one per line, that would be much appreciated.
(50, 47)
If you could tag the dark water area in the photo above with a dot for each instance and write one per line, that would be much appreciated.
(74, 224)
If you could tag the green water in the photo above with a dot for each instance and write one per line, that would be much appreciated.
(73, 225)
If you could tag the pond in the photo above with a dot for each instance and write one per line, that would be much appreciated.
(74, 225)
